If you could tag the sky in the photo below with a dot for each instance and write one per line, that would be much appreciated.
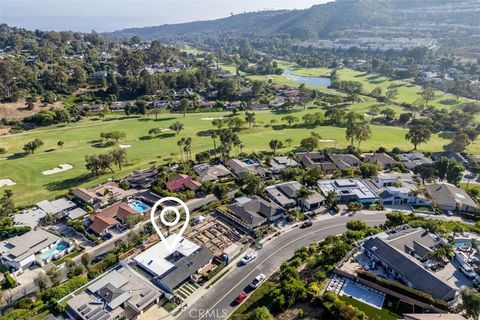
(110, 15)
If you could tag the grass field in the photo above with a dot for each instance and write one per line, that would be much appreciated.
(82, 139)
(371, 312)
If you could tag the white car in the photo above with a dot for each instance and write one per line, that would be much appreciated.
(257, 281)
(249, 257)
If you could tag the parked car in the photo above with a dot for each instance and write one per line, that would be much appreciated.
(242, 296)
(257, 281)
(450, 213)
(307, 224)
(249, 257)
(107, 236)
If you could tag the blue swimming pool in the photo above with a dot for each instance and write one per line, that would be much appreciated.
(58, 248)
(139, 206)
(461, 243)
(363, 294)
(249, 162)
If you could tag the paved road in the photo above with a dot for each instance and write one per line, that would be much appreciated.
(217, 303)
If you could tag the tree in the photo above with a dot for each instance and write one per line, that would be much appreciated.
(31, 146)
(418, 134)
(60, 143)
(220, 191)
(459, 142)
(177, 127)
(86, 259)
(250, 118)
(275, 144)
(335, 114)
(184, 104)
(388, 114)
(98, 163)
(155, 131)
(289, 141)
(309, 144)
(260, 313)
(471, 303)
(426, 171)
(377, 92)
(428, 95)
(119, 156)
(368, 170)
(113, 135)
(331, 199)
(55, 276)
(290, 119)
(362, 132)
(449, 170)
(354, 206)
(391, 94)
(41, 281)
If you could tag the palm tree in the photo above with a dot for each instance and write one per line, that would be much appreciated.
(181, 144)
(187, 148)
(331, 199)
(214, 137)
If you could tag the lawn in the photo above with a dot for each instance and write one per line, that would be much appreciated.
(371, 312)
(82, 139)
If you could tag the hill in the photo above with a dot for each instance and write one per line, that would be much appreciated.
(448, 21)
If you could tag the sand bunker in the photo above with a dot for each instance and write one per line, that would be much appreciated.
(124, 146)
(326, 140)
(6, 182)
(166, 129)
(60, 168)
(210, 119)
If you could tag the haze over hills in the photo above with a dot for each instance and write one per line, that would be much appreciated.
(445, 20)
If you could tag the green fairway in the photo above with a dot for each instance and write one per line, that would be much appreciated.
(79, 139)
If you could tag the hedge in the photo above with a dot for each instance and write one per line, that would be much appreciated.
(11, 282)
(64, 289)
(399, 288)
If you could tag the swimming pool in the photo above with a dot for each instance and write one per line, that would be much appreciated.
(57, 249)
(363, 294)
(249, 162)
(462, 243)
(139, 206)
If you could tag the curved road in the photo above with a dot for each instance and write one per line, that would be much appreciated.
(216, 303)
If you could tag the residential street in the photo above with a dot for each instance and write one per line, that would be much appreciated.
(217, 304)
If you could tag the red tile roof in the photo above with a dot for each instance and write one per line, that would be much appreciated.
(109, 216)
(182, 181)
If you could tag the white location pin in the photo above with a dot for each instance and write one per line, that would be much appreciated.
(170, 246)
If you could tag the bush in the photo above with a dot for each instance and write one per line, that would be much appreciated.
(10, 281)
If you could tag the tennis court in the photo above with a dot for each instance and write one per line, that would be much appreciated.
(363, 293)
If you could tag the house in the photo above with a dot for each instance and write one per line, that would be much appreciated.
(171, 269)
(397, 189)
(382, 159)
(286, 195)
(433, 316)
(248, 165)
(255, 211)
(316, 160)
(121, 293)
(451, 198)
(102, 195)
(111, 217)
(207, 172)
(279, 163)
(30, 217)
(87, 197)
(413, 159)
(396, 255)
(349, 190)
(141, 179)
(455, 156)
(182, 182)
(76, 213)
(57, 207)
(345, 161)
(34, 247)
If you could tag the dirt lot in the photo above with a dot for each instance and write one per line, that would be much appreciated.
(18, 110)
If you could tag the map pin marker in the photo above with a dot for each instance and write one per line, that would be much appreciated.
(172, 245)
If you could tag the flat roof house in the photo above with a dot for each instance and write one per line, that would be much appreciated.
(345, 161)
(286, 195)
(397, 189)
(413, 159)
(36, 246)
(316, 160)
(384, 160)
(248, 165)
(111, 217)
(349, 190)
(57, 207)
(171, 269)
(279, 163)
(182, 182)
(398, 261)
(119, 293)
(207, 172)
(451, 198)
(450, 155)
(255, 211)
(142, 179)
